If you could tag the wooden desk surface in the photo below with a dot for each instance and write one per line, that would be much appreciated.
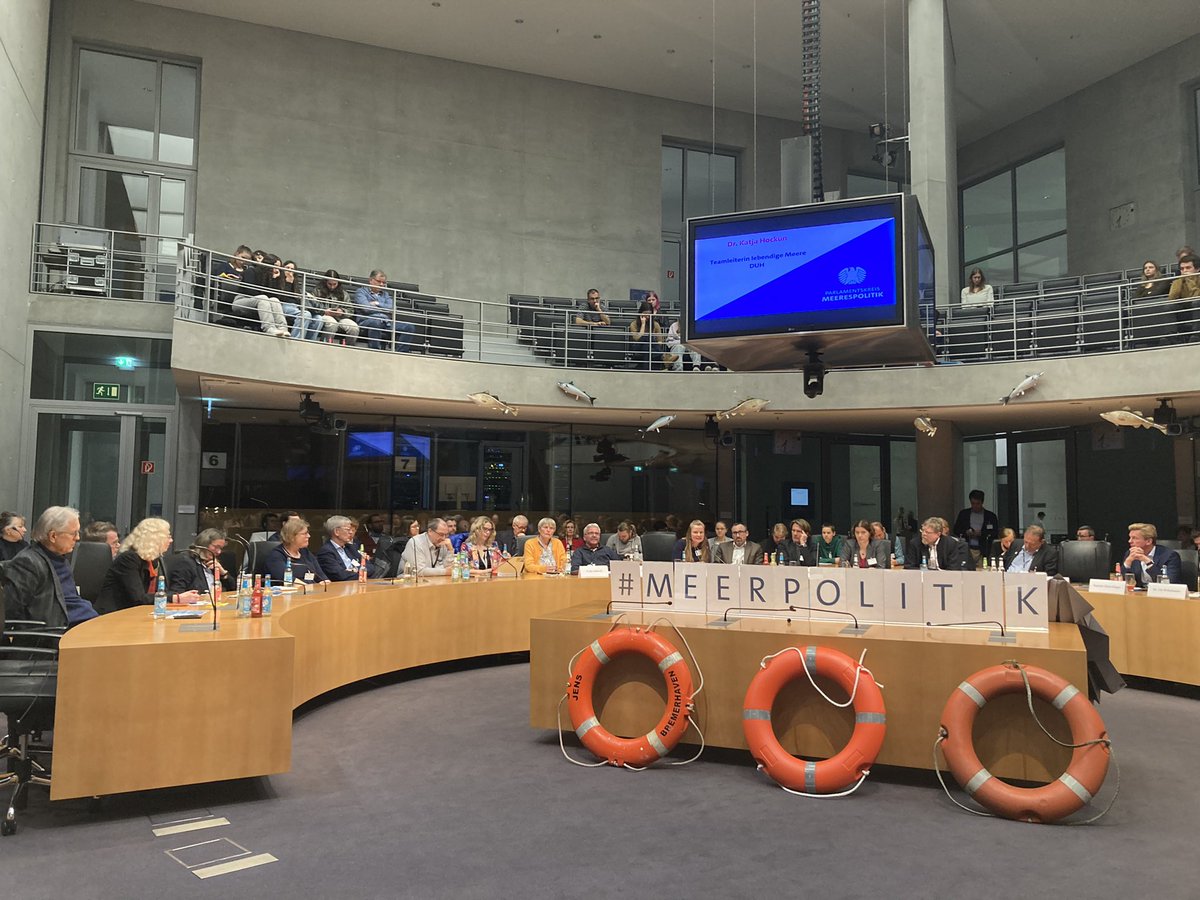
(1154, 637)
(919, 668)
(142, 704)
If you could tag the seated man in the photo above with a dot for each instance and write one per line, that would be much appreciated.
(507, 539)
(594, 314)
(1085, 533)
(740, 550)
(591, 553)
(101, 532)
(38, 583)
(938, 549)
(375, 309)
(1034, 555)
(429, 553)
(798, 550)
(1184, 293)
(338, 557)
(1146, 561)
(200, 567)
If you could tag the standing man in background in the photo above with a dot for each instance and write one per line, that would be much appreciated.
(977, 526)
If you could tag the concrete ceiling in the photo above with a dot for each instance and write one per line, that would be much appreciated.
(1013, 56)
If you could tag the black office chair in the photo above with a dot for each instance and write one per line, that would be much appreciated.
(1081, 561)
(519, 550)
(89, 565)
(1189, 560)
(28, 683)
(658, 546)
(256, 561)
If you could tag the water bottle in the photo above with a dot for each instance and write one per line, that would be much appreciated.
(455, 571)
(1162, 576)
(987, 564)
(256, 598)
(244, 598)
(268, 596)
(288, 577)
(924, 565)
(362, 564)
(160, 599)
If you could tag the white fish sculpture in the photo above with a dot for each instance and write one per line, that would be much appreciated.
(491, 401)
(657, 425)
(1028, 383)
(575, 393)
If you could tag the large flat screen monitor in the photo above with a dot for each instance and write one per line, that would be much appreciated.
(842, 278)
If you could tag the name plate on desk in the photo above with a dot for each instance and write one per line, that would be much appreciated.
(593, 571)
(1107, 586)
(1172, 591)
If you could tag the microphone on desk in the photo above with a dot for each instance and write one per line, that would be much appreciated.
(199, 554)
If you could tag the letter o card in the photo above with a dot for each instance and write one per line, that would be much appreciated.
(827, 592)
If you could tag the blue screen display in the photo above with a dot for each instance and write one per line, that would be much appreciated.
(809, 269)
(369, 444)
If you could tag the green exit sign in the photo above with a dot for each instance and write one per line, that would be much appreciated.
(106, 391)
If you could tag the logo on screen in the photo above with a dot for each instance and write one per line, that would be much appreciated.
(852, 275)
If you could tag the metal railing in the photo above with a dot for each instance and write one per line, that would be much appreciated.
(1059, 317)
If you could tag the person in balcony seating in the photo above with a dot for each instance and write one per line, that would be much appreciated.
(1184, 293)
(275, 284)
(312, 326)
(377, 314)
(647, 334)
(1152, 284)
(331, 308)
(977, 292)
(240, 281)
(594, 314)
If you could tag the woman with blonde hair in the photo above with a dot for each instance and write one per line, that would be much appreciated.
(480, 546)
(133, 576)
(693, 547)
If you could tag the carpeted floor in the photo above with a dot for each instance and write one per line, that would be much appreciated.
(437, 787)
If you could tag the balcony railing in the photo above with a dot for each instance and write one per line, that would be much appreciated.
(1096, 313)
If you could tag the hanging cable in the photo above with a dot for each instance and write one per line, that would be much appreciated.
(712, 147)
(754, 115)
(810, 89)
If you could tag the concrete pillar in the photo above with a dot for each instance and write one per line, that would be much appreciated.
(932, 141)
(939, 472)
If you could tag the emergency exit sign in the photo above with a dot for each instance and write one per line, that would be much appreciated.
(106, 391)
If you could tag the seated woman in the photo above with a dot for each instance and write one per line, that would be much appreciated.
(293, 546)
(12, 535)
(545, 554)
(1152, 283)
(647, 336)
(1007, 536)
(314, 326)
(571, 540)
(862, 551)
(480, 546)
(880, 534)
(626, 542)
(799, 551)
(254, 294)
(281, 284)
(331, 306)
(693, 547)
(133, 576)
(829, 545)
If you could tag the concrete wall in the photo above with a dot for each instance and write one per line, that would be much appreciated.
(472, 181)
(23, 27)
(1128, 138)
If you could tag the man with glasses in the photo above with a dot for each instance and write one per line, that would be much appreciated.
(938, 549)
(430, 552)
(591, 553)
(200, 566)
(38, 583)
(338, 557)
(1085, 533)
(739, 551)
(376, 315)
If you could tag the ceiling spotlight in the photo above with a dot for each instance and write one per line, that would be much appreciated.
(1164, 413)
(925, 425)
(310, 409)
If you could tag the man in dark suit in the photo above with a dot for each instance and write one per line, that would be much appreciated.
(939, 550)
(338, 557)
(507, 539)
(1034, 555)
(740, 549)
(976, 525)
(1146, 560)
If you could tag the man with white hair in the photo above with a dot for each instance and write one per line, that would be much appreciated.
(430, 553)
(38, 583)
(591, 553)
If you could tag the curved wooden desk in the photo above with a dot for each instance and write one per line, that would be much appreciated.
(1153, 637)
(142, 704)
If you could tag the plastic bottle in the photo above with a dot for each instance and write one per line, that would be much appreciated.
(256, 598)
(1163, 578)
(288, 577)
(455, 571)
(1116, 575)
(362, 564)
(268, 596)
(160, 599)
(924, 565)
(216, 591)
(779, 558)
(987, 564)
(244, 598)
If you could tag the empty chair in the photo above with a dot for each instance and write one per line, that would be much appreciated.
(1056, 326)
(1012, 325)
(1101, 310)
(658, 546)
(1189, 565)
(515, 301)
(966, 334)
(256, 560)
(1081, 561)
(89, 564)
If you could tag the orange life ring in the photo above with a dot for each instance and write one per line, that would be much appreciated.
(656, 743)
(853, 761)
(1048, 803)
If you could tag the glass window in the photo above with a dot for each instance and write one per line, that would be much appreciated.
(113, 200)
(1045, 259)
(672, 188)
(1042, 197)
(102, 367)
(904, 486)
(987, 217)
(177, 138)
(858, 185)
(116, 105)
